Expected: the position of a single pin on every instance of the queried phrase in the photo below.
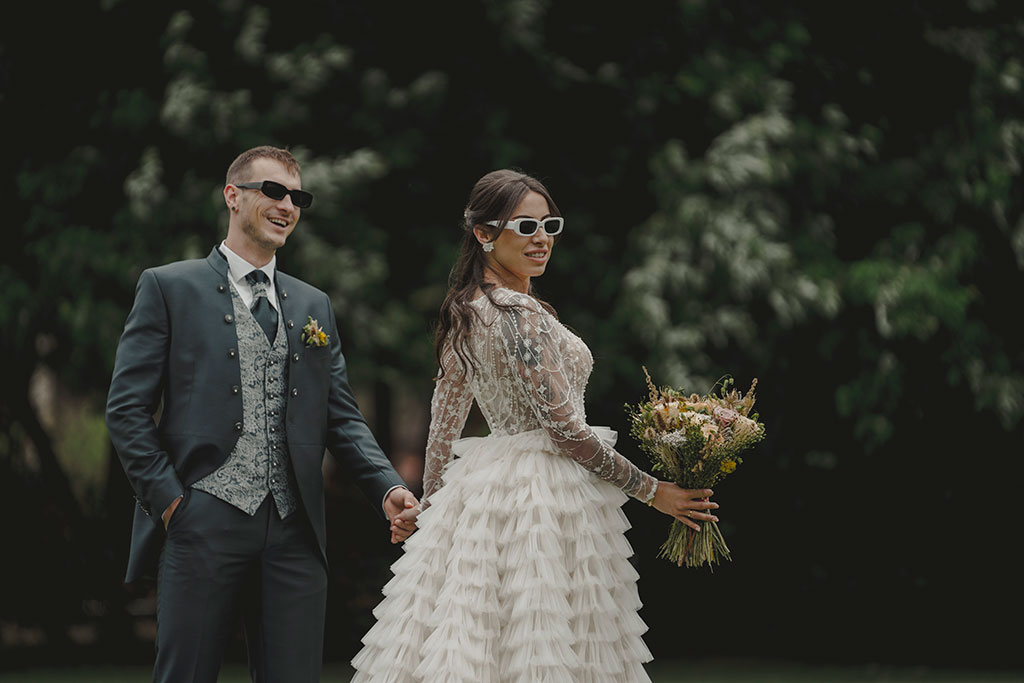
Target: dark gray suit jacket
(179, 348)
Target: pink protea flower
(725, 416)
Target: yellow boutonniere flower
(312, 335)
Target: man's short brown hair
(239, 168)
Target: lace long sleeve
(536, 355)
(449, 409)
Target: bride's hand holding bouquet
(686, 505)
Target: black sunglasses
(300, 198)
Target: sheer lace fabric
(530, 373)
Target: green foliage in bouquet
(696, 441)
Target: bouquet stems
(694, 548)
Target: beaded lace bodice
(529, 373)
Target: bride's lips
(538, 256)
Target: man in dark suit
(246, 362)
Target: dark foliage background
(824, 196)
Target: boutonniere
(312, 335)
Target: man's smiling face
(266, 222)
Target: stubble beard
(258, 237)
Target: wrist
(654, 491)
(387, 498)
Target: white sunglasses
(526, 227)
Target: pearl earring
(488, 246)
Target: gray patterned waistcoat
(259, 462)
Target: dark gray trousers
(218, 563)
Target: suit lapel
(292, 328)
(219, 263)
(221, 288)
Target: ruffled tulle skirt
(518, 573)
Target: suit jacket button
(291, 324)
(295, 392)
(295, 358)
(284, 295)
(235, 389)
(221, 288)
(228, 318)
(231, 353)
(238, 426)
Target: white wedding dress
(519, 570)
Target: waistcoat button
(232, 353)
(295, 358)
(235, 389)
(295, 392)
(238, 426)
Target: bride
(519, 570)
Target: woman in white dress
(519, 570)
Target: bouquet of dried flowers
(696, 441)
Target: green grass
(666, 672)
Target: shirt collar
(238, 267)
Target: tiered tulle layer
(518, 574)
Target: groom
(228, 479)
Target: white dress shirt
(238, 268)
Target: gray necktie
(261, 309)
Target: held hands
(686, 505)
(402, 509)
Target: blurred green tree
(827, 198)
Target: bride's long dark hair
(494, 198)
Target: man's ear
(231, 197)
